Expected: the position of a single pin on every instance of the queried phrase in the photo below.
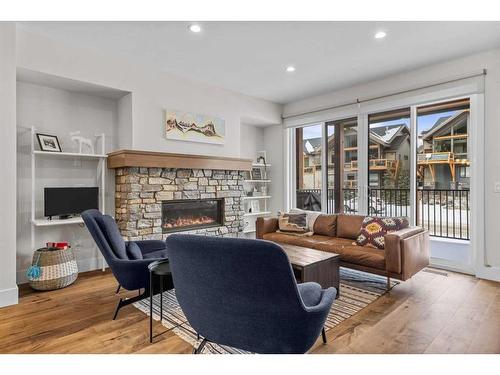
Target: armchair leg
(127, 301)
(323, 335)
(388, 286)
(200, 347)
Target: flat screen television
(67, 201)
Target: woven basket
(59, 269)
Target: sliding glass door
(443, 169)
(389, 163)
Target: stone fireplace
(160, 193)
(188, 214)
(152, 202)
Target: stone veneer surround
(140, 192)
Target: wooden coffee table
(314, 265)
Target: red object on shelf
(58, 245)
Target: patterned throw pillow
(373, 230)
(296, 223)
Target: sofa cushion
(296, 223)
(325, 225)
(133, 250)
(374, 229)
(361, 255)
(310, 241)
(113, 235)
(311, 216)
(349, 226)
(334, 245)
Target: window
(343, 165)
(308, 166)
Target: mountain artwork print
(185, 126)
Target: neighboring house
(443, 161)
(389, 157)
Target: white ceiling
(251, 57)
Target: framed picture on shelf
(255, 206)
(246, 175)
(48, 143)
(256, 174)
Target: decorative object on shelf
(262, 157)
(82, 142)
(58, 245)
(246, 175)
(256, 174)
(255, 206)
(184, 126)
(52, 269)
(48, 142)
(263, 190)
(261, 160)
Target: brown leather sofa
(406, 251)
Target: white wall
(125, 121)
(251, 141)
(152, 93)
(8, 287)
(59, 112)
(273, 144)
(489, 60)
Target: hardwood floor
(432, 313)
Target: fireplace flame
(188, 221)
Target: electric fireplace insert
(188, 214)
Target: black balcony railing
(389, 202)
(445, 213)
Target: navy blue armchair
(128, 261)
(242, 293)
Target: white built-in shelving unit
(259, 190)
(100, 178)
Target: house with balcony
(443, 161)
(388, 157)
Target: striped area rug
(357, 290)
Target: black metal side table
(160, 269)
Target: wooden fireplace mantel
(150, 159)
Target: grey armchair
(242, 293)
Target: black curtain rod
(359, 101)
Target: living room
(333, 205)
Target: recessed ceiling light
(290, 69)
(380, 35)
(194, 28)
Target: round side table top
(160, 267)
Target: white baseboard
(482, 272)
(8, 296)
(488, 273)
(84, 265)
(451, 266)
